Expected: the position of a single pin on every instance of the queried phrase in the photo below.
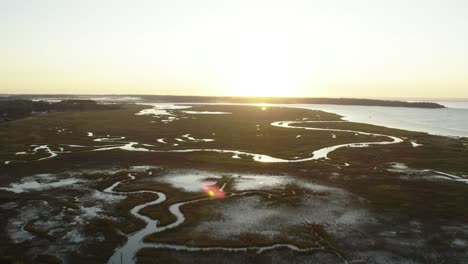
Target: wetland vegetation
(167, 183)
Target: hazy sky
(347, 48)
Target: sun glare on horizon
(262, 78)
(263, 48)
(262, 62)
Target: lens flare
(213, 191)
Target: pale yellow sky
(360, 48)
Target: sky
(293, 48)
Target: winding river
(127, 253)
(322, 153)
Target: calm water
(450, 121)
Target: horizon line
(238, 96)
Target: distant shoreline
(232, 99)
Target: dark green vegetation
(394, 200)
(15, 109)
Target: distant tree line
(226, 99)
(280, 100)
(19, 108)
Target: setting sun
(262, 66)
(235, 48)
(234, 131)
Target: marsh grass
(247, 128)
